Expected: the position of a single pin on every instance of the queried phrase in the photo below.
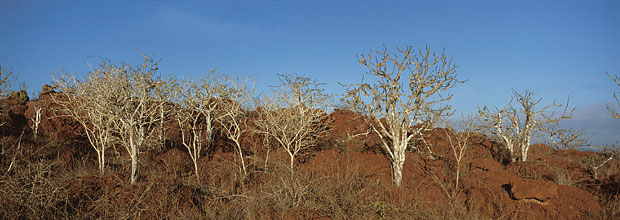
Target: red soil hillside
(346, 176)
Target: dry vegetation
(203, 153)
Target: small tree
(89, 101)
(234, 117)
(164, 95)
(611, 150)
(516, 127)
(570, 138)
(459, 143)
(36, 121)
(295, 117)
(198, 111)
(403, 103)
(135, 106)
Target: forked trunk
(101, 160)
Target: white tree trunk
(134, 160)
(397, 172)
(398, 162)
(267, 159)
(292, 157)
(241, 157)
(196, 170)
(37, 121)
(101, 160)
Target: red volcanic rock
(533, 189)
(352, 132)
(52, 121)
(573, 154)
(573, 203)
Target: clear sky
(554, 48)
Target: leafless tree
(614, 149)
(459, 143)
(36, 121)
(135, 106)
(199, 110)
(515, 127)
(295, 116)
(89, 102)
(164, 95)
(234, 117)
(616, 80)
(563, 138)
(409, 91)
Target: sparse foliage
(295, 117)
(402, 103)
(515, 127)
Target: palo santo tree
(570, 138)
(135, 107)
(198, 110)
(295, 117)
(88, 101)
(234, 118)
(459, 143)
(515, 127)
(408, 91)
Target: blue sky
(554, 48)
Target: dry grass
(43, 185)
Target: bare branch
(395, 105)
(516, 127)
(616, 80)
(295, 116)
